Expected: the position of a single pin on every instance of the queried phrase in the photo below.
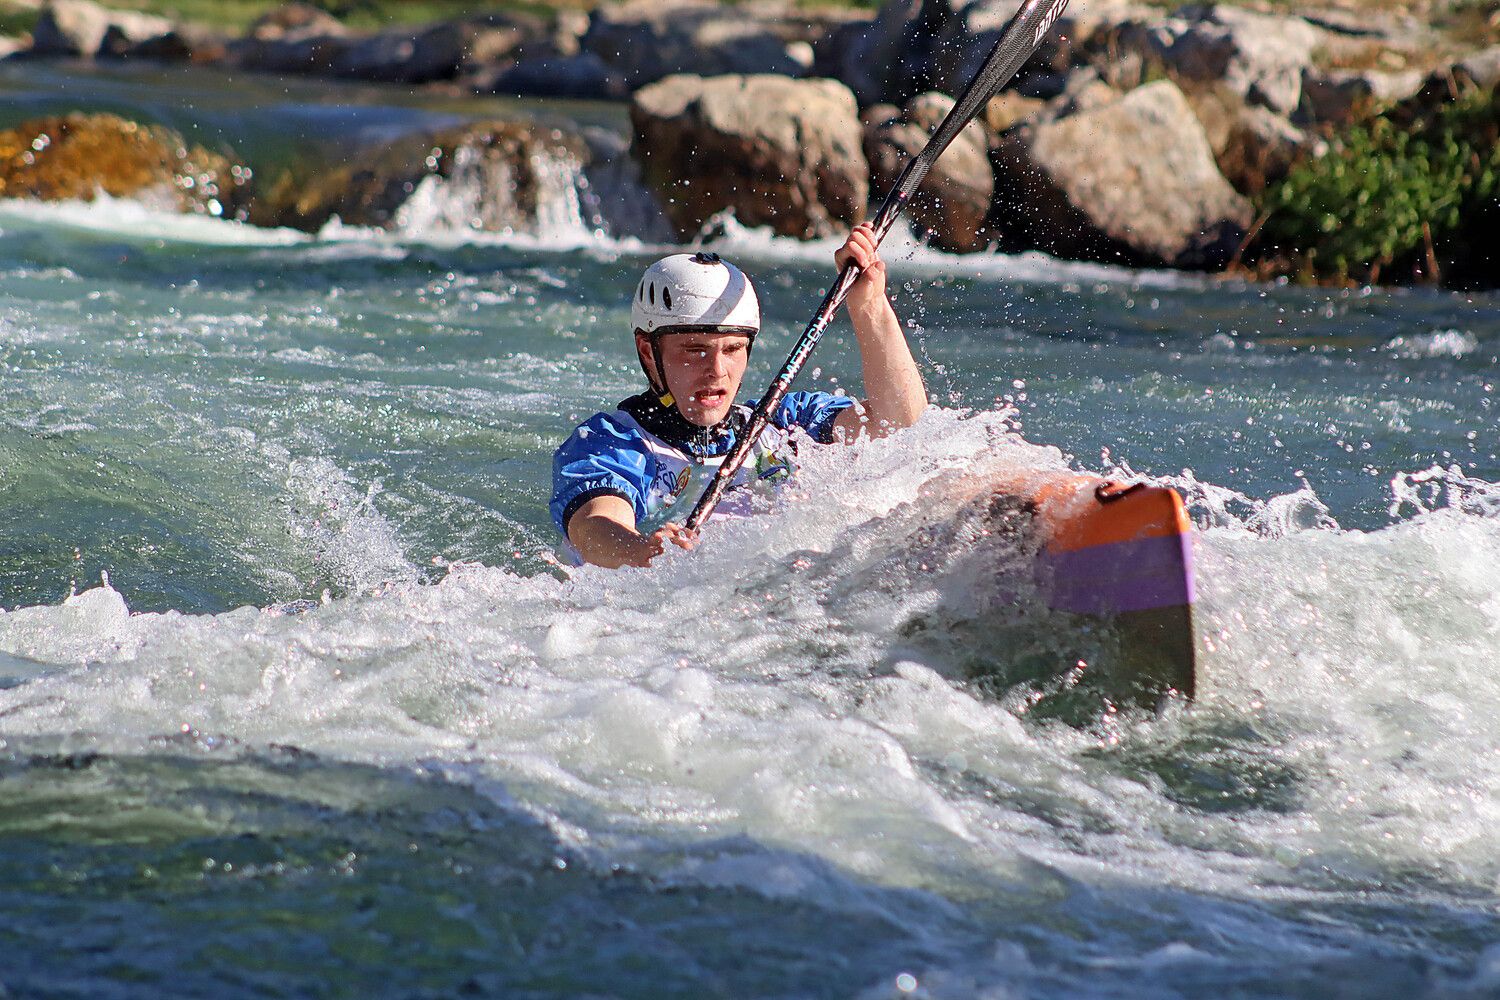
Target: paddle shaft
(1017, 42)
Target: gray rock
(777, 152)
(887, 57)
(583, 76)
(79, 28)
(1253, 146)
(966, 38)
(440, 51)
(1481, 70)
(645, 42)
(1133, 181)
(293, 38)
(184, 43)
(1341, 97)
(1260, 56)
(955, 197)
(496, 176)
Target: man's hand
(860, 248)
(603, 532)
(676, 534)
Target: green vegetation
(17, 20)
(1406, 197)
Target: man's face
(703, 370)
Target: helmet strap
(656, 379)
(659, 382)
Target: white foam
(131, 218)
(765, 684)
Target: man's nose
(718, 361)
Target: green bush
(1395, 195)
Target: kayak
(1120, 556)
(1113, 564)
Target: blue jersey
(649, 456)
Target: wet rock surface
(782, 153)
(78, 157)
(496, 176)
(1151, 195)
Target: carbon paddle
(1018, 41)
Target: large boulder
(293, 38)
(77, 157)
(497, 176)
(1260, 56)
(1133, 182)
(79, 28)
(955, 197)
(647, 40)
(778, 152)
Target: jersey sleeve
(814, 412)
(600, 458)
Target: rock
(183, 43)
(1260, 56)
(1084, 90)
(1133, 181)
(886, 58)
(296, 20)
(617, 193)
(966, 38)
(77, 156)
(1253, 146)
(1480, 70)
(79, 28)
(644, 42)
(912, 46)
(955, 197)
(438, 52)
(499, 176)
(778, 152)
(583, 76)
(1339, 98)
(1008, 109)
(294, 38)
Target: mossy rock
(76, 157)
(500, 174)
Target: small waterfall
(548, 193)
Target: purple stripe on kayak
(1121, 576)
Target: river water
(295, 699)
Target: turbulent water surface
(295, 699)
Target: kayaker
(695, 318)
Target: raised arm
(894, 394)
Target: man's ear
(644, 352)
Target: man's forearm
(608, 543)
(894, 394)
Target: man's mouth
(709, 397)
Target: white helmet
(695, 293)
(692, 293)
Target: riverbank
(1210, 137)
